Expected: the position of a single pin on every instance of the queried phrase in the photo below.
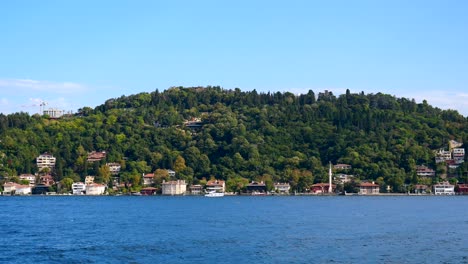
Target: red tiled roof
(215, 183)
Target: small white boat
(214, 194)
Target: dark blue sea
(58, 229)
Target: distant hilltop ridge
(240, 137)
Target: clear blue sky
(80, 53)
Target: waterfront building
(178, 187)
(148, 179)
(23, 189)
(196, 189)
(256, 188)
(282, 188)
(322, 188)
(148, 191)
(420, 189)
(369, 188)
(45, 160)
(216, 186)
(444, 188)
(462, 188)
(28, 177)
(9, 188)
(78, 188)
(95, 189)
(40, 189)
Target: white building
(45, 160)
(9, 188)
(458, 155)
(444, 188)
(114, 168)
(282, 187)
(54, 112)
(15, 188)
(23, 189)
(28, 177)
(369, 188)
(174, 187)
(78, 188)
(95, 189)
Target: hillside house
(442, 156)
(28, 177)
(424, 171)
(94, 156)
(148, 179)
(46, 180)
(114, 168)
(45, 160)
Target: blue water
(121, 229)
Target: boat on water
(214, 194)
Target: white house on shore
(444, 188)
(369, 188)
(78, 188)
(95, 189)
(10, 188)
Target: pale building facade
(178, 187)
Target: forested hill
(280, 137)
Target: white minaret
(330, 189)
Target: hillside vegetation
(274, 137)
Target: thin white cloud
(26, 85)
(25, 95)
(453, 100)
